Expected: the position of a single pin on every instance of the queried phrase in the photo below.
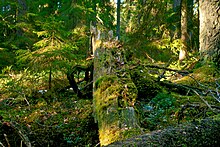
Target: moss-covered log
(205, 132)
(114, 94)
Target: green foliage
(7, 58)
(157, 114)
(163, 101)
(20, 86)
(52, 51)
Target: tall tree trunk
(175, 34)
(184, 34)
(21, 11)
(114, 94)
(92, 25)
(118, 19)
(190, 25)
(210, 30)
(22, 7)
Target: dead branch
(2, 144)
(194, 106)
(214, 93)
(198, 91)
(76, 71)
(181, 87)
(164, 71)
(182, 72)
(204, 101)
(197, 105)
(151, 59)
(21, 133)
(6, 138)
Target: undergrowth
(48, 118)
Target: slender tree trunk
(50, 79)
(190, 25)
(22, 7)
(175, 34)
(141, 6)
(118, 19)
(209, 38)
(184, 34)
(93, 30)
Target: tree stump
(114, 94)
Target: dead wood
(197, 133)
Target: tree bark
(184, 34)
(209, 30)
(114, 94)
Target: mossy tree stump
(114, 94)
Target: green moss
(112, 93)
(105, 81)
(206, 70)
(105, 96)
(130, 133)
(206, 74)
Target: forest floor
(169, 94)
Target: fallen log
(204, 132)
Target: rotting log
(114, 94)
(205, 132)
